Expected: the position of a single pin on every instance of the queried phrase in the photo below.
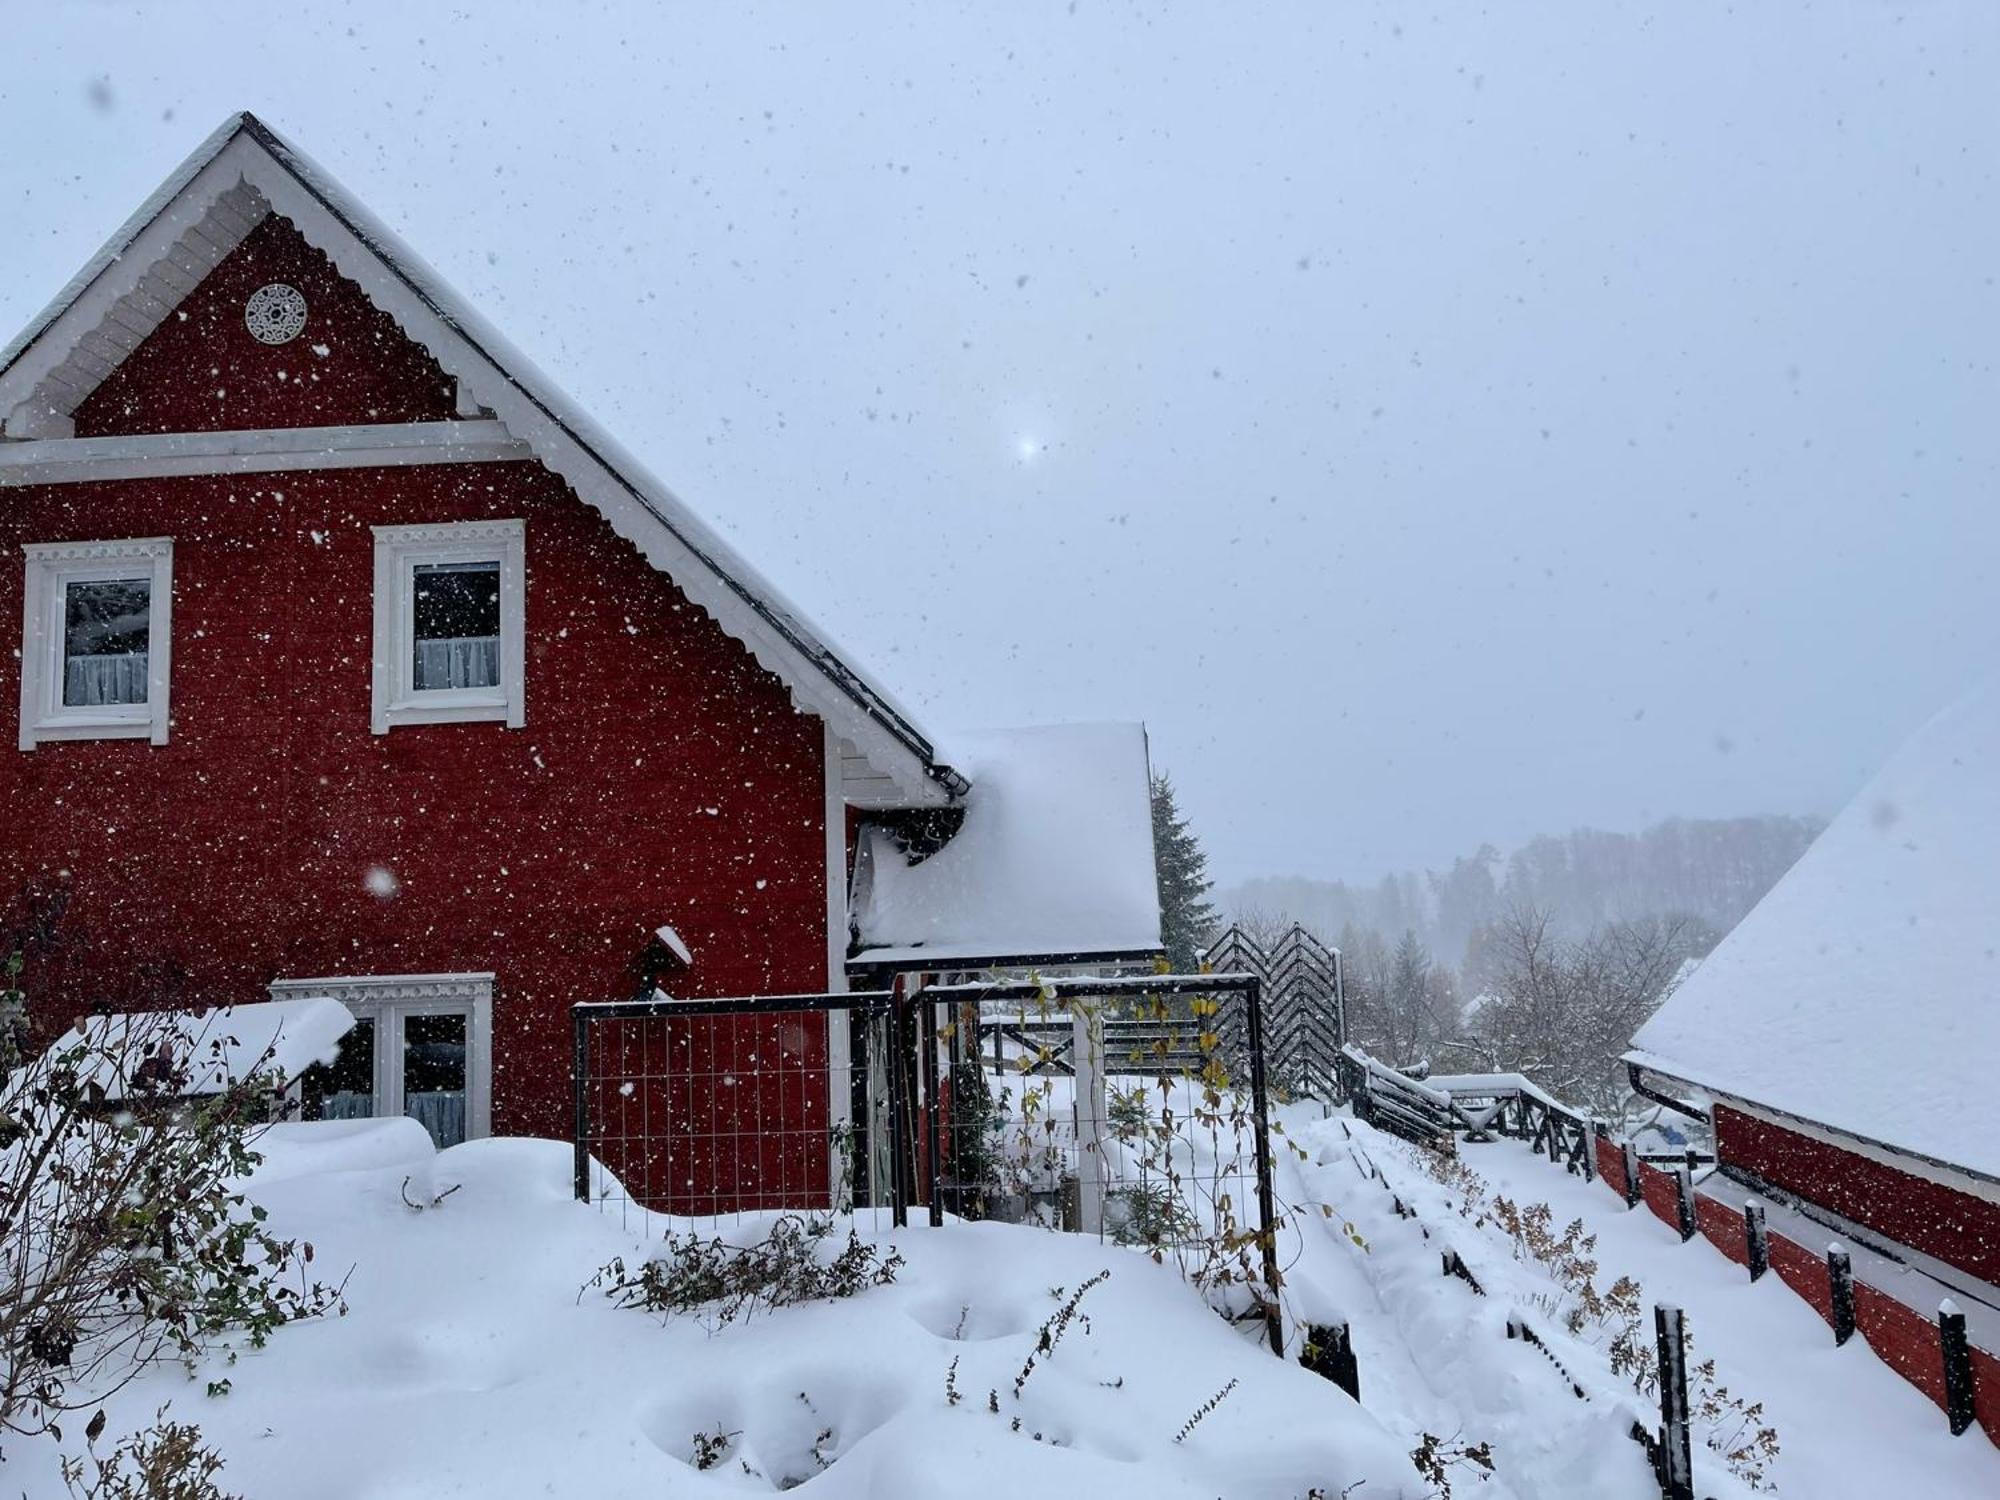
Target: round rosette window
(275, 314)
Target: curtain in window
(442, 1114)
(120, 677)
(458, 662)
(347, 1106)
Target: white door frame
(386, 999)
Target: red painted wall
(1662, 1195)
(1804, 1272)
(1956, 1227)
(201, 371)
(1722, 1227)
(1907, 1341)
(662, 775)
(1611, 1165)
(1986, 1392)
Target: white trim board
(258, 451)
(49, 569)
(493, 377)
(399, 550)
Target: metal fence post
(1756, 1245)
(1676, 1457)
(899, 1112)
(579, 1067)
(1958, 1392)
(1086, 1019)
(1840, 1279)
(927, 1039)
(1632, 1193)
(1267, 1210)
(1684, 1204)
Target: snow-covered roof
(1054, 859)
(1863, 992)
(246, 168)
(218, 1047)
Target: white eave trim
(260, 451)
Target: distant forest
(1713, 870)
(1541, 962)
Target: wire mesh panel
(717, 1109)
(1130, 1109)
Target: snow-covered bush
(726, 1282)
(124, 1236)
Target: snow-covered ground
(473, 1363)
(1432, 1351)
(476, 1361)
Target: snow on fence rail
(1477, 1105)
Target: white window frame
(388, 1000)
(51, 568)
(399, 551)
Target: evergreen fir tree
(1187, 917)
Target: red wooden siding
(1956, 1227)
(1722, 1227)
(1907, 1341)
(1986, 1391)
(1804, 1272)
(1611, 1165)
(662, 775)
(1662, 1195)
(202, 371)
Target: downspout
(1634, 1073)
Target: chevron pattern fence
(1305, 1020)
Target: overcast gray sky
(1439, 428)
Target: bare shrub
(167, 1461)
(125, 1238)
(1436, 1458)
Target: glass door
(434, 1071)
(345, 1088)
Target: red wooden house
(355, 660)
(1845, 1036)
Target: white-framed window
(96, 639)
(449, 612)
(422, 1046)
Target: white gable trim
(258, 451)
(245, 153)
(35, 397)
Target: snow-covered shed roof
(1863, 992)
(1054, 859)
(244, 171)
(218, 1047)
